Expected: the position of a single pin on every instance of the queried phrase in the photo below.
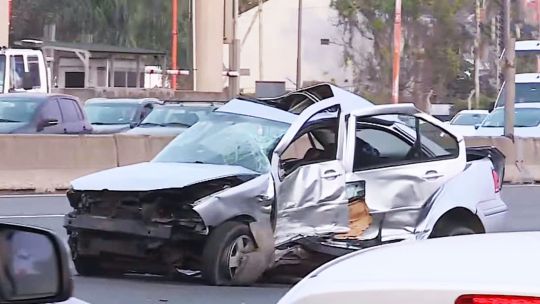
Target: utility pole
(477, 55)
(509, 73)
(174, 41)
(538, 21)
(261, 41)
(234, 54)
(397, 53)
(299, 48)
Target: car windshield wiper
(176, 124)
(8, 120)
(151, 124)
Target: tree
(434, 42)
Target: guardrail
(47, 163)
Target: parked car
(109, 116)
(497, 268)
(40, 113)
(306, 177)
(174, 118)
(526, 121)
(466, 121)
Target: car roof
(36, 95)
(122, 100)
(275, 108)
(498, 258)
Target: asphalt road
(47, 211)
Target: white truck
(24, 69)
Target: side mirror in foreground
(34, 266)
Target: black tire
(87, 266)
(449, 228)
(219, 251)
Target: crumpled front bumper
(119, 226)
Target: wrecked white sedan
(263, 184)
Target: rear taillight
(486, 299)
(496, 181)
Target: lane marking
(31, 195)
(74, 301)
(6, 217)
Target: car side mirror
(46, 123)
(476, 126)
(491, 106)
(27, 81)
(34, 266)
(133, 125)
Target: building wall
(320, 62)
(4, 23)
(98, 70)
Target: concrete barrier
(46, 163)
(157, 143)
(529, 148)
(131, 149)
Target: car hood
(156, 176)
(164, 131)
(109, 129)
(9, 127)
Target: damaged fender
(252, 202)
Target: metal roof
(100, 48)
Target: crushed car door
(310, 177)
(402, 161)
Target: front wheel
(87, 266)
(224, 254)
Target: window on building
(74, 79)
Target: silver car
(292, 181)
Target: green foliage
(443, 40)
(133, 23)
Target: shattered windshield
(2, 72)
(227, 139)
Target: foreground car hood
(155, 176)
(109, 129)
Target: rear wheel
(450, 228)
(224, 253)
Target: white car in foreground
(493, 268)
(526, 121)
